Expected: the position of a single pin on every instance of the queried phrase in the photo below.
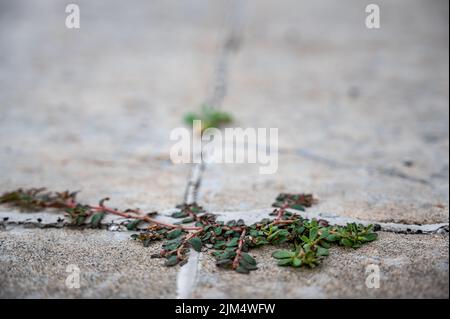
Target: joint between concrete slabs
(113, 223)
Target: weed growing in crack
(197, 229)
(209, 118)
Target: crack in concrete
(253, 216)
(392, 172)
(193, 184)
(230, 43)
(187, 275)
(386, 171)
(113, 223)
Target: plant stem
(281, 212)
(239, 250)
(147, 219)
(180, 249)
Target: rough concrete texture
(362, 118)
(362, 115)
(92, 109)
(34, 265)
(402, 259)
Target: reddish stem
(193, 215)
(281, 212)
(180, 249)
(239, 250)
(147, 219)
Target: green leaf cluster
(295, 201)
(309, 241)
(210, 117)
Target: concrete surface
(352, 106)
(402, 259)
(34, 264)
(362, 117)
(34, 261)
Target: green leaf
(281, 254)
(279, 236)
(209, 118)
(313, 233)
(245, 264)
(277, 204)
(171, 261)
(346, 242)
(324, 234)
(219, 245)
(96, 219)
(179, 215)
(233, 242)
(231, 223)
(322, 251)
(190, 117)
(224, 255)
(171, 247)
(306, 247)
(297, 207)
(195, 209)
(206, 237)
(332, 237)
(371, 237)
(324, 244)
(285, 262)
(224, 262)
(80, 220)
(296, 262)
(174, 233)
(133, 224)
(188, 220)
(229, 232)
(196, 243)
(249, 259)
(242, 270)
(218, 231)
(305, 239)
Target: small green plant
(209, 117)
(312, 242)
(198, 229)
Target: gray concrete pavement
(34, 263)
(362, 117)
(352, 106)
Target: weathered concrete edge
(343, 220)
(113, 223)
(59, 220)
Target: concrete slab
(351, 192)
(92, 109)
(411, 266)
(112, 265)
(362, 117)
(362, 114)
(33, 264)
